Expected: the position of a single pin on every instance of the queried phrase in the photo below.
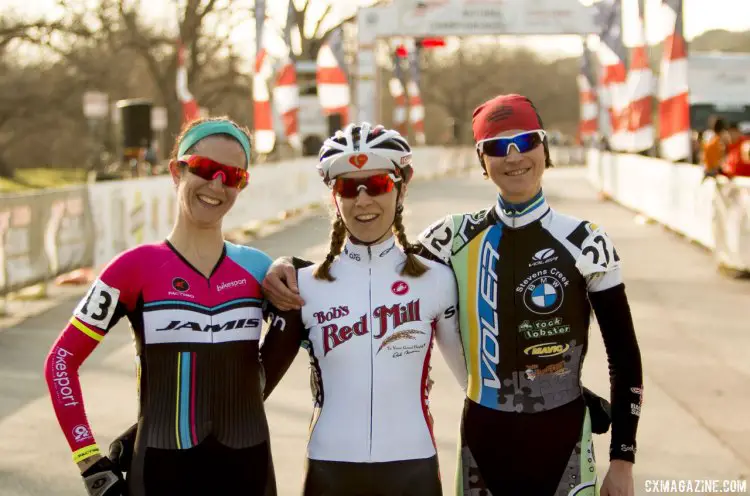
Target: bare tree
(213, 68)
(311, 43)
(454, 84)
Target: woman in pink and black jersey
(194, 305)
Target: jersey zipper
(372, 361)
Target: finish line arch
(423, 18)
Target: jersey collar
(521, 214)
(383, 252)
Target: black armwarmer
(281, 344)
(625, 370)
(420, 250)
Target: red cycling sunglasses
(379, 184)
(205, 168)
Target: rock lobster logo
(358, 161)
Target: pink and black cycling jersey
(196, 341)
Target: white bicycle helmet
(364, 147)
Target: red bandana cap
(502, 113)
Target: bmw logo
(543, 295)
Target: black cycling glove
(121, 449)
(600, 411)
(104, 479)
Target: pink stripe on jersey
(192, 399)
(425, 378)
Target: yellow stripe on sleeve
(474, 331)
(84, 329)
(87, 452)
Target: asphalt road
(692, 326)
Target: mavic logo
(542, 257)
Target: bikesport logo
(180, 284)
(81, 433)
(61, 378)
(542, 257)
(233, 284)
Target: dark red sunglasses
(205, 168)
(349, 187)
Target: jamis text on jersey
(229, 325)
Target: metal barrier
(43, 235)
(712, 212)
(567, 155)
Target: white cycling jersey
(370, 335)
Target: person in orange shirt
(737, 162)
(714, 149)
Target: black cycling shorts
(518, 454)
(399, 478)
(208, 468)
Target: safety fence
(52, 232)
(714, 212)
(567, 155)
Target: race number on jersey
(598, 254)
(438, 238)
(98, 306)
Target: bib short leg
(208, 468)
(419, 477)
(517, 454)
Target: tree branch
(321, 19)
(140, 44)
(209, 7)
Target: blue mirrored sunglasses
(500, 146)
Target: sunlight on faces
(518, 176)
(204, 203)
(368, 218)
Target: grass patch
(41, 177)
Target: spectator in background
(714, 149)
(151, 159)
(696, 140)
(737, 161)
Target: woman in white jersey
(372, 310)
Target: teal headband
(210, 128)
